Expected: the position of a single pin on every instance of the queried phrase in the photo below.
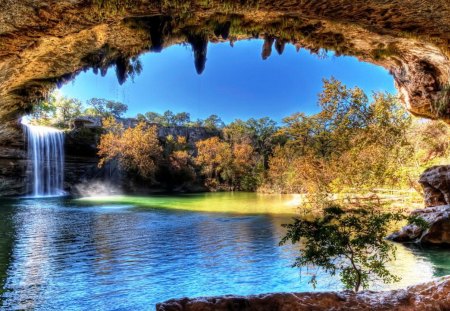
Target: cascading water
(46, 158)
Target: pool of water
(130, 253)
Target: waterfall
(46, 160)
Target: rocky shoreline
(435, 182)
(433, 295)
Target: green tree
(67, 109)
(263, 131)
(57, 111)
(349, 242)
(105, 108)
(181, 119)
(153, 117)
(45, 110)
(213, 122)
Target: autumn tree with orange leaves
(136, 149)
(224, 165)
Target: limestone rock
(438, 232)
(436, 185)
(45, 43)
(434, 295)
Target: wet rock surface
(434, 295)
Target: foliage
(351, 143)
(179, 160)
(104, 108)
(56, 111)
(213, 122)
(257, 132)
(60, 111)
(226, 165)
(214, 157)
(349, 242)
(136, 149)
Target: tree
(213, 122)
(56, 111)
(136, 149)
(349, 242)
(45, 111)
(105, 108)
(352, 143)
(214, 157)
(237, 132)
(263, 131)
(181, 119)
(153, 117)
(243, 176)
(168, 118)
(67, 109)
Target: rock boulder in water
(436, 185)
(438, 232)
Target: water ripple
(58, 256)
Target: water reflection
(55, 254)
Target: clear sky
(236, 83)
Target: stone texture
(434, 295)
(435, 182)
(436, 186)
(438, 232)
(46, 43)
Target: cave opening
(183, 156)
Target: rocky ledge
(437, 233)
(435, 182)
(434, 295)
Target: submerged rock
(434, 295)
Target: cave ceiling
(44, 44)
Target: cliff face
(81, 161)
(435, 182)
(46, 43)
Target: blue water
(57, 254)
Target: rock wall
(13, 166)
(436, 186)
(431, 296)
(435, 182)
(81, 161)
(46, 43)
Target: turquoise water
(128, 253)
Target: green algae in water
(221, 202)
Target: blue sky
(236, 83)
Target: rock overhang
(44, 44)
